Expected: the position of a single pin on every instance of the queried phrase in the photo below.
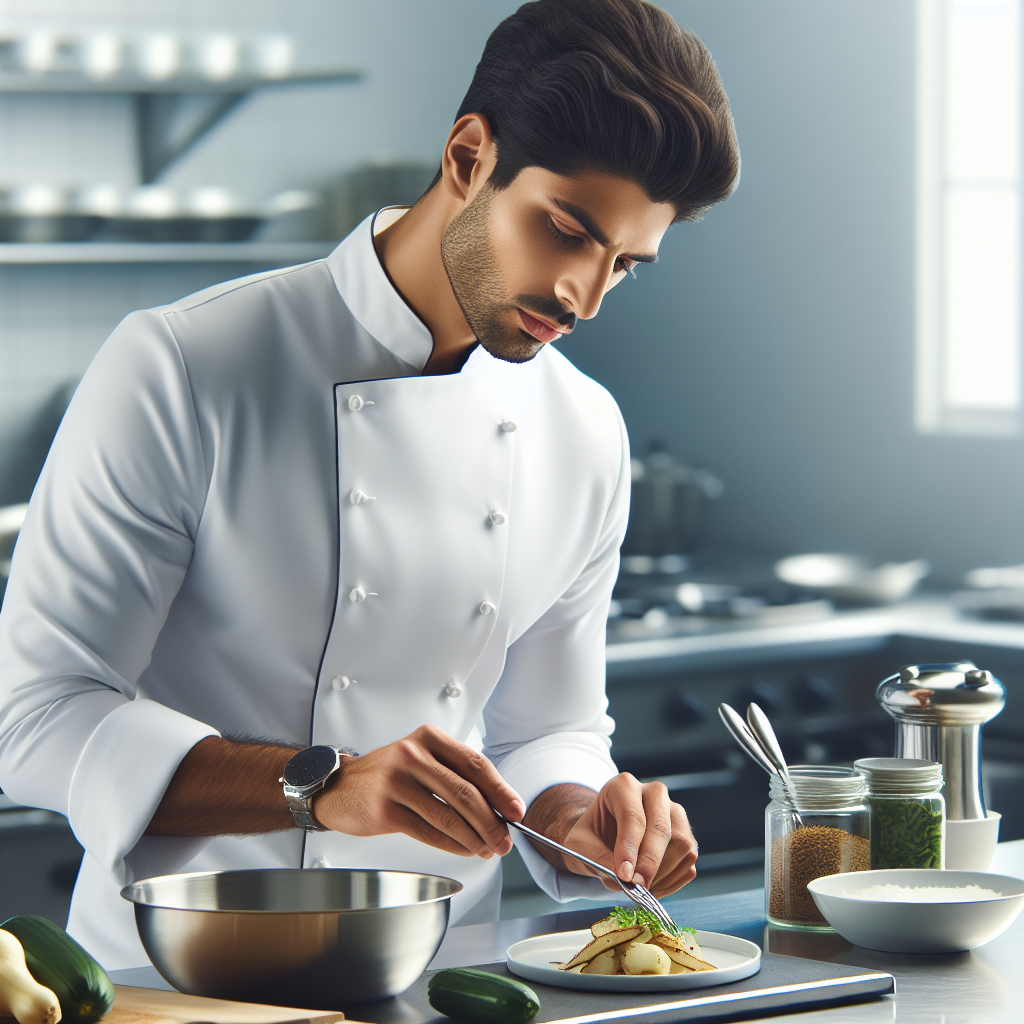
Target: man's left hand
(631, 827)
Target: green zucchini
(56, 961)
(478, 997)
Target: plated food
(632, 941)
(628, 951)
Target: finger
(471, 765)
(624, 798)
(682, 847)
(469, 804)
(411, 824)
(421, 767)
(441, 816)
(679, 863)
(657, 833)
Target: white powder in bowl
(925, 893)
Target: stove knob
(814, 694)
(764, 695)
(684, 710)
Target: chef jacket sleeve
(104, 548)
(546, 723)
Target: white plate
(531, 959)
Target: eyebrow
(595, 232)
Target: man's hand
(427, 786)
(633, 828)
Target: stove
(679, 594)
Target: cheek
(524, 253)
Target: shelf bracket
(170, 123)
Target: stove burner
(657, 603)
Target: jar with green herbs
(908, 814)
(821, 828)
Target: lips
(537, 328)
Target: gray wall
(774, 341)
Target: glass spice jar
(908, 813)
(830, 835)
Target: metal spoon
(765, 734)
(750, 743)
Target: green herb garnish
(626, 917)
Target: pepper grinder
(939, 711)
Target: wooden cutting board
(154, 1006)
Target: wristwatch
(305, 775)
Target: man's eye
(563, 236)
(623, 264)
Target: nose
(583, 293)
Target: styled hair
(613, 86)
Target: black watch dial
(309, 766)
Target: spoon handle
(762, 730)
(743, 736)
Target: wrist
(555, 813)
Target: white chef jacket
(259, 518)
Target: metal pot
(668, 505)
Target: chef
(318, 568)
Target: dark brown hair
(613, 86)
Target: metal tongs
(639, 894)
(757, 738)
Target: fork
(639, 894)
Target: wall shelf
(171, 114)
(64, 253)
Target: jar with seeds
(829, 834)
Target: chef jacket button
(486, 608)
(341, 683)
(453, 689)
(357, 595)
(508, 427)
(320, 862)
(359, 498)
(356, 402)
(496, 518)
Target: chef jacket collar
(376, 304)
(373, 299)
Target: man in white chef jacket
(362, 503)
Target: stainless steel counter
(924, 618)
(985, 986)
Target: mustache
(551, 308)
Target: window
(969, 217)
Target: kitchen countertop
(698, 640)
(984, 986)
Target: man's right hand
(396, 789)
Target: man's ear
(469, 157)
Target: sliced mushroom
(606, 924)
(608, 962)
(646, 958)
(603, 942)
(681, 956)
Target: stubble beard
(472, 267)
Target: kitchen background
(773, 346)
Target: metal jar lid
(898, 776)
(953, 694)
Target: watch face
(309, 766)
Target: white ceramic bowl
(917, 927)
(970, 845)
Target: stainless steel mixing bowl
(320, 939)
